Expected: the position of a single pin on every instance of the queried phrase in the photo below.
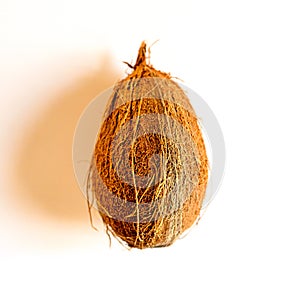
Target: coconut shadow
(43, 174)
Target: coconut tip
(142, 66)
(141, 58)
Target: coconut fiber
(149, 168)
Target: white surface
(242, 57)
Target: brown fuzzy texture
(168, 158)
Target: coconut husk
(149, 169)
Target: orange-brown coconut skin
(164, 230)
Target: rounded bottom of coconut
(159, 233)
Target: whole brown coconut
(149, 169)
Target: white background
(242, 57)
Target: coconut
(149, 169)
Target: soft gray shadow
(44, 175)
